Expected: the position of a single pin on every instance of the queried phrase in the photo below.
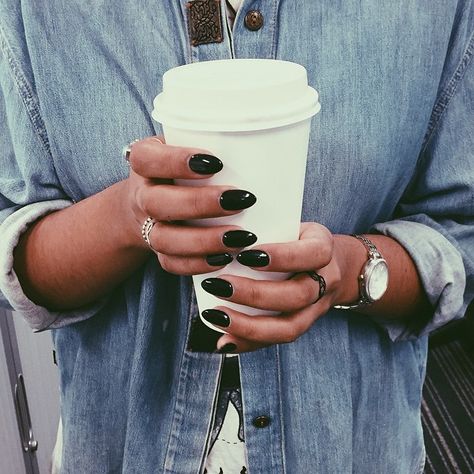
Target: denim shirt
(391, 151)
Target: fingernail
(238, 238)
(219, 259)
(217, 287)
(214, 316)
(229, 347)
(237, 199)
(253, 258)
(205, 164)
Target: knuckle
(295, 327)
(182, 266)
(326, 252)
(195, 203)
(137, 163)
(203, 241)
(328, 245)
(158, 238)
(146, 200)
(165, 263)
(248, 331)
(303, 296)
(254, 294)
(289, 254)
(323, 250)
(291, 334)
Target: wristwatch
(373, 279)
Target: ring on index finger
(127, 149)
(322, 284)
(146, 230)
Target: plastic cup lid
(235, 95)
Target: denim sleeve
(435, 219)
(29, 185)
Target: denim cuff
(441, 270)
(37, 317)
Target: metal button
(253, 20)
(261, 421)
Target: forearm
(74, 256)
(404, 296)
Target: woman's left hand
(297, 299)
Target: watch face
(377, 280)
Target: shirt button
(253, 20)
(261, 421)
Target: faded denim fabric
(391, 150)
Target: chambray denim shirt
(391, 151)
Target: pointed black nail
(253, 258)
(238, 238)
(214, 316)
(219, 259)
(205, 164)
(217, 287)
(229, 347)
(237, 199)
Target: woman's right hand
(183, 249)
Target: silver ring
(127, 149)
(146, 230)
(322, 284)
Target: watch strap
(369, 245)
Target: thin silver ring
(127, 149)
(146, 230)
(158, 140)
(322, 284)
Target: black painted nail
(205, 164)
(214, 316)
(217, 287)
(238, 238)
(237, 199)
(219, 259)
(229, 347)
(253, 258)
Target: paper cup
(253, 114)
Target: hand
(183, 250)
(296, 298)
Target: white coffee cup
(254, 115)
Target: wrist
(350, 256)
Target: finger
(175, 239)
(167, 202)
(152, 159)
(313, 250)
(262, 330)
(193, 265)
(283, 296)
(232, 345)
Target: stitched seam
(448, 93)
(26, 93)
(280, 406)
(274, 29)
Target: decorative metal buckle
(205, 22)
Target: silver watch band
(369, 245)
